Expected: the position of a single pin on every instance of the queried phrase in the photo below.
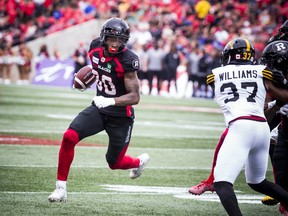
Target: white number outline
(106, 83)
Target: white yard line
(176, 192)
(104, 167)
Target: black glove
(279, 79)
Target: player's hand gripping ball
(84, 78)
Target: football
(84, 78)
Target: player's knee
(260, 186)
(113, 166)
(255, 187)
(223, 189)
(112, 163)
(70, 137)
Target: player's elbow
(136, 99)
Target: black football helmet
(238, 51)
(275, 56)
(115, 27)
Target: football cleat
(136, 172)
(267, 200)
(59, 194)
(201, 188)
(283, 210)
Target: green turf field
(179, 134)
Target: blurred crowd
(174, 38)
(25, 20)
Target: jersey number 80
(106, 83)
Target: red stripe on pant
(220, 142)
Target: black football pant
(91, 121)
(280, 159)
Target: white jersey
(240, 90)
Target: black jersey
(110, 75)
(284, 120)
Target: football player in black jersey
(111, 110)
(275, 56)
(275, 116)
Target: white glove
(102, 102)
(271, 104)
(274, 134)
(284, 110)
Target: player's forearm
(128, 99)
(277, 92)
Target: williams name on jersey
(240, 74)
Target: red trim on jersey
(119, 69)
(93, 50)
(253, 118)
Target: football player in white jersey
(240, 89)
(273, 116)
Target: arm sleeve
(210, 79)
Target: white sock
(61, 183)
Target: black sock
(272, 190)
(228, 198)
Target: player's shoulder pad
(276, 76)
(95, 43)
(267, 74)
(130, 60)
(210, 79)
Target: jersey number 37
(234, 92)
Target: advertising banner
(54, 73)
